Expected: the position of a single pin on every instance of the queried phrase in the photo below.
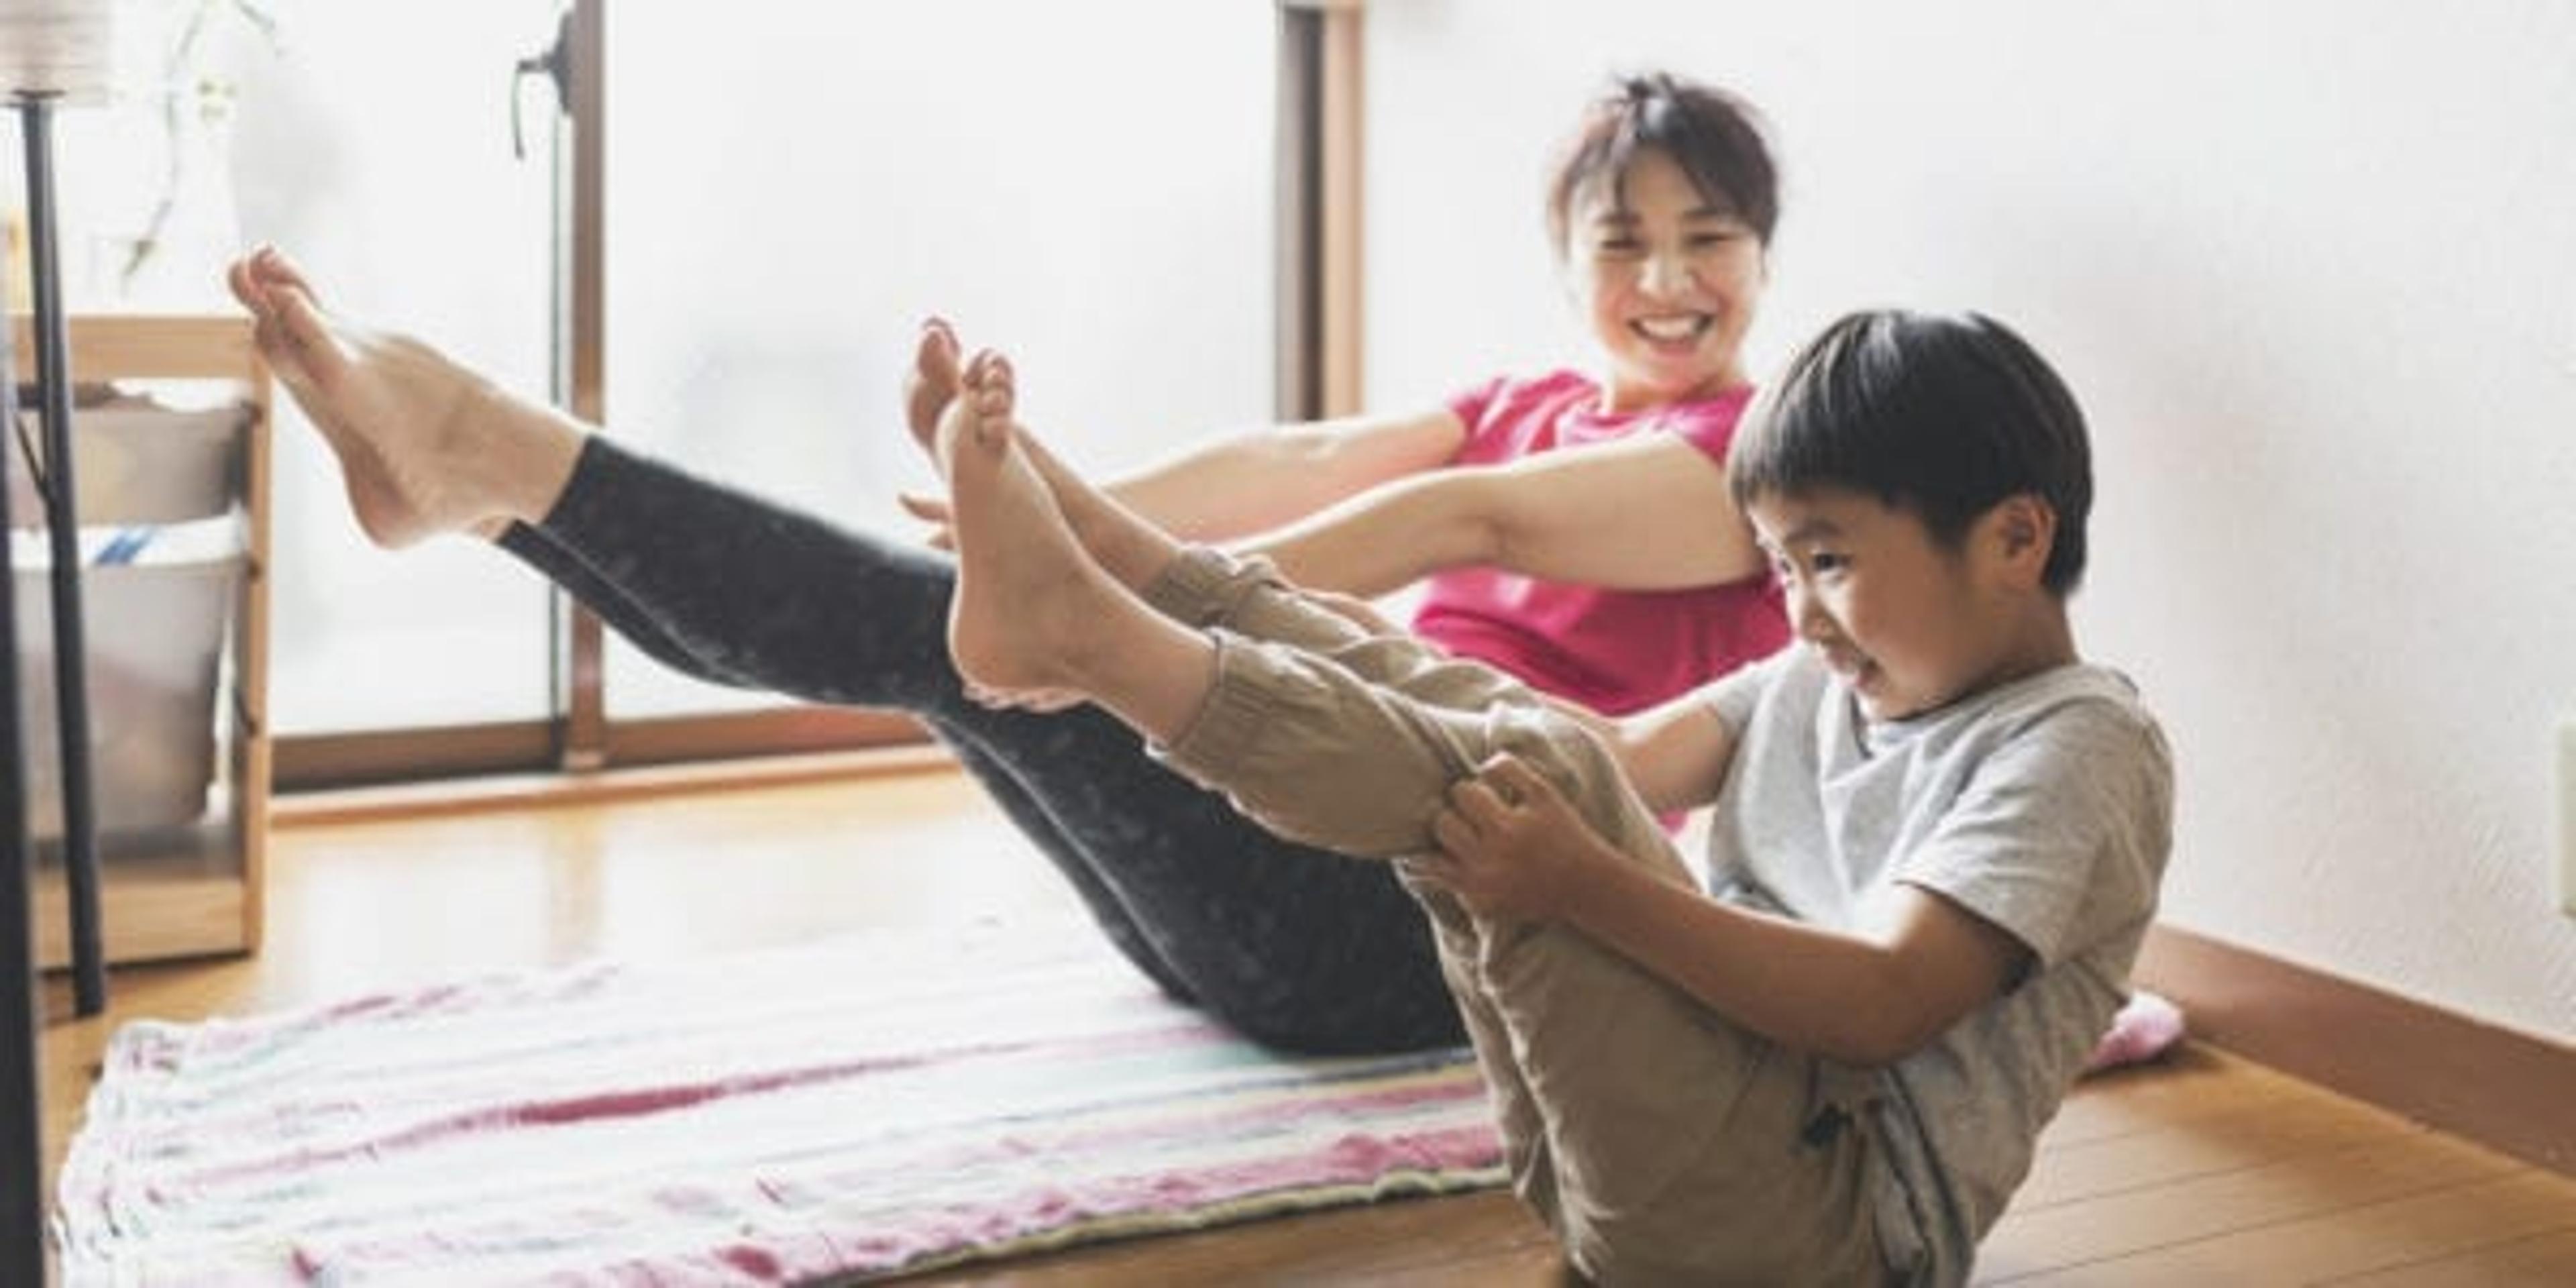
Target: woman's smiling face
(1666, 279)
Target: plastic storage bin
(141, 464)
(156, 635)
(156, 629)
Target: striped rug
(823, 1114)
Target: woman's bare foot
(425, 446)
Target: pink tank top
(1615, 651)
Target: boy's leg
(1285, 694)
(1684, 1149)
(1298, 739)
(1659, 1141)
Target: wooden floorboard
(2191, 1084)
(2154, 1216)
(2416, 1230)
(2215, 1145)
(2538, 1259)
(2205, 1169)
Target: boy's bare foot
(1128, 548)
(425, 446)
(1026, 592)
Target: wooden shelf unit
(194, 890)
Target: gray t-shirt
(2044, 806)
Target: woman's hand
(1512, 847)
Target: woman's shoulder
(1520, 393)
(1512, 415)
(1708, 423)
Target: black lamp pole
(53, 50)
(62, 523)
(22, 1158)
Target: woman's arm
(1651, 513)
(1260, 479)
(1514, 848)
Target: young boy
(1825, 1056)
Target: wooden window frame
(1317, 368)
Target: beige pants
(1661, 1143)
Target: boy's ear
(2023, 529)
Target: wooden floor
(2204, 1170)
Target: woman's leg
(1291, 945)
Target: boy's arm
(1651, 513)
(1514, 848)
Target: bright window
(791, 186)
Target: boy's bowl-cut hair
(1942, 415)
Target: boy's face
(1909, 624)
(1666, 281)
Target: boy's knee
(1585, 772)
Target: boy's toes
(987, 396)
(996, 386)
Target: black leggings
(1295, 947)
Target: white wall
(2311, 267)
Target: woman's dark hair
(1940, 415)
(1712, 135)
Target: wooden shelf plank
(187, 900)
(153, 346)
